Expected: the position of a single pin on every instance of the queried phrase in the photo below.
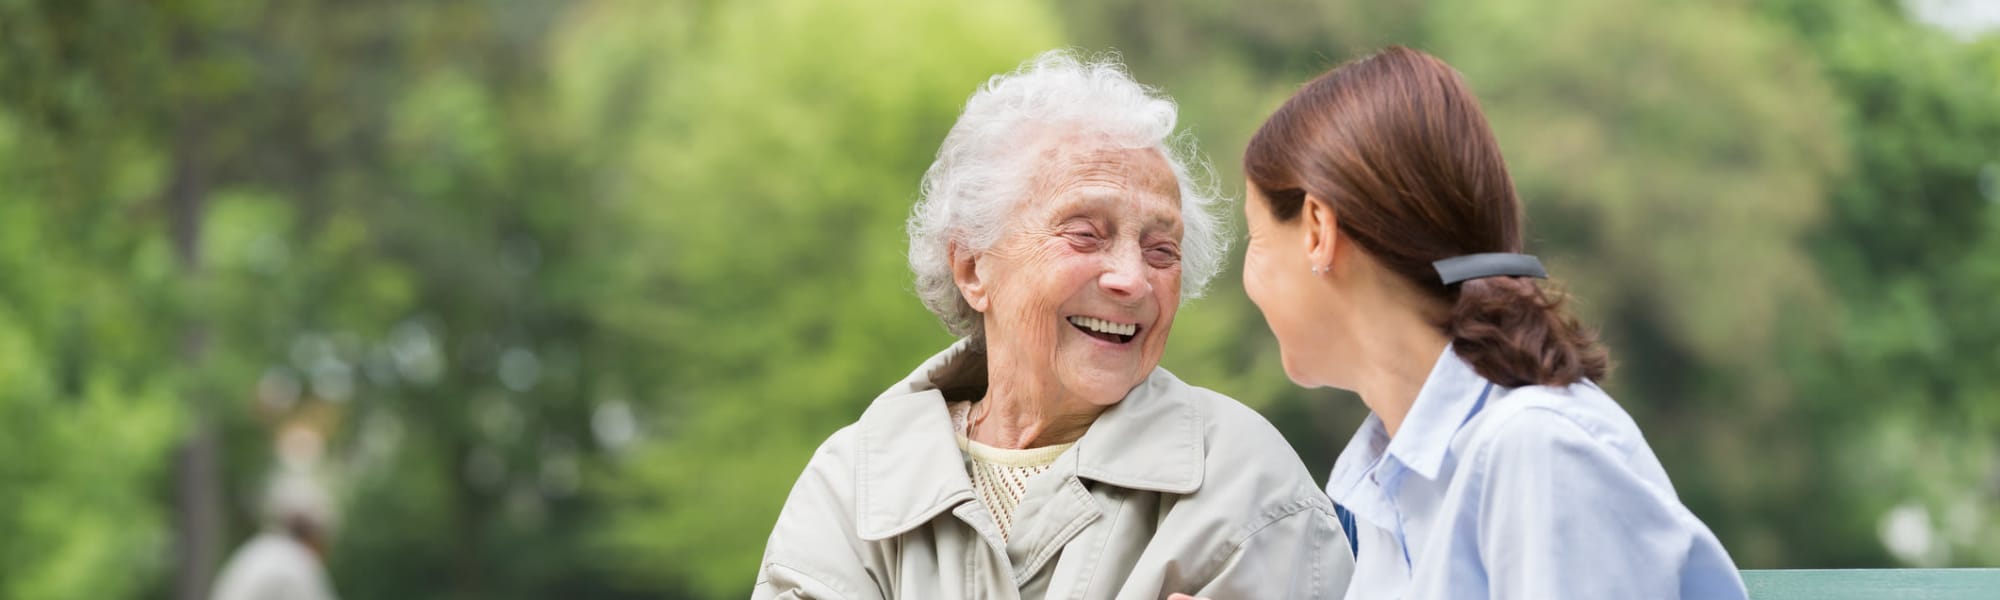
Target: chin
(1112, 396)
(1292, 372)
(1097, 392)
(1110, 399)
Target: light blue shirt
(1532, 492)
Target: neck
(1402, 348)
(1018, 412)
(1391, 378)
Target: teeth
(1103, 326)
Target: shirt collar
(1449, 396)
(1365, 476)
(909, 468)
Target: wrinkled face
(1081, 289)
(1278, 277)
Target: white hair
(983, 169)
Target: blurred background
(556, 299)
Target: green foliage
(1911, 246)
(87, 410)
(87, 403)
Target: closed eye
(1083, 238)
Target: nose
(1125, 275)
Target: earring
(1319, 270)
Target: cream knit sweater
(1000, 475)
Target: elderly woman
(1046, 454)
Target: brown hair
(1396, 144)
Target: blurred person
(286, 561)
(1046, 454)
(1385, 240)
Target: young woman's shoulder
(1577, 428)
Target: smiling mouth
(1116, 333)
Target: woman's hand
(1184, 597)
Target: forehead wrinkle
(1153, 214)
(1104, 174)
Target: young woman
(1385, 241)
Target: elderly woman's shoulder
(1235, 429)
(833, 461)
(1251, 476)
(1240, 444)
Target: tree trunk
(198, 516)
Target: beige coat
(1174, 489)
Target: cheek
(1280, 307)
(1169, 298)
(1038, 279)
(1167, 286)
(1041, 286)
(1253, 276)
(1167, 293)
(1064, 280)
(1261, 282)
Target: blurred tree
(88, 411)
(1908, 394)
(365, 213)
(112, 200)
(428, 227)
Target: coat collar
(909, 467)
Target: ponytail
(1515, 333)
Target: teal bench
(1857, 584)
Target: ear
(965, 272)
(1322, 231)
